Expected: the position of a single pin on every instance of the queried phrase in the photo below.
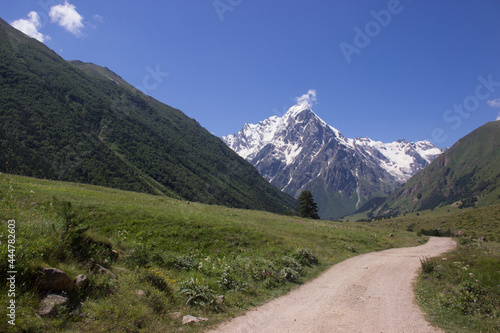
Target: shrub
(428, 265)
(290, 274)
(199, 295)
(438, 232)
(292, 263)
(230, 282)
(305, 257)
(185, 263)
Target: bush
(438, 232)
(186, 263)
(290, 274)
(230, 282)
(428, 265)
(305, 257)
(199, 295)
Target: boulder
(81, 281)
(50, 304)
(53, 279)
(191, 319)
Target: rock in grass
(53, 279)
(191, 319)
(50, 304)
(81, 281)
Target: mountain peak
(297, 109)
(300, 151)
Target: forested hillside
(60, 122)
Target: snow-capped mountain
(299, 151)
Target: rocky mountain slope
(299, 151)
(83, 123)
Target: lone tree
(306, 206)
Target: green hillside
(467, 173)
(161, 252)
(83, 123)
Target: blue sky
(391, 69)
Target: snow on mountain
(401, 159)
(300, 151)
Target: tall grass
(164, 255)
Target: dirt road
(369, 293)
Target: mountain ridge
(466, 174)
(60, 122)
(300, 151)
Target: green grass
(168, 255)
(469, 222)
(459, 291)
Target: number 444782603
(11, 243)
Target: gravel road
(369, 293)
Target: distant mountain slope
(300, 151)
(468, 172)
(88, 125)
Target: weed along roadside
(150, 261)
(460, 291)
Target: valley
(150, 221)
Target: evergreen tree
(306, 206)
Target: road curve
(368, 293)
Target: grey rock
(51, 303)
(81, 281)
(191, 319)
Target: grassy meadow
(165, 256)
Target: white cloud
(307, 99)
(30, 26)
(498, 117)
(67, 17)
(495, 103)
(98, 18)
